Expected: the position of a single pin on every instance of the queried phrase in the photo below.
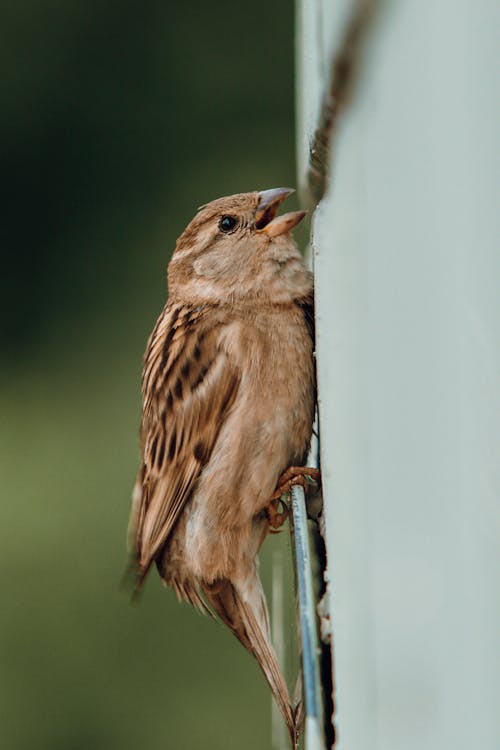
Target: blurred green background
(118, 120)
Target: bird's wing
(189, 386)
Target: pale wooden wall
(407, 270)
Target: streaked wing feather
(189, 385)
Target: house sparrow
(228, 402)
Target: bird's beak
(265, 215)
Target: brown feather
(198, 397)
(239, 616)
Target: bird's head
(237, 247)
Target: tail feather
(248, 621)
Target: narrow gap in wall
(325, 657)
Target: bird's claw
(302, 475)
(276, 517)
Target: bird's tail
(244, 610)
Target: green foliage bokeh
(118, 120)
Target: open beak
(265, 215)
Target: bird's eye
(228, 224)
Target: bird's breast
(268, 428)
(277, 390)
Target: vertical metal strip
(310, 666)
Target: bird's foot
(277, 513)
(303, 475)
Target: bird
(228, 399)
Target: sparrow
(228, 392)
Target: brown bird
(228, 402)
